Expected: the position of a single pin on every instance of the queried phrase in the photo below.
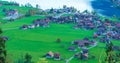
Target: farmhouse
(57, 56)
(49, 54)
(83, 43)
(12, 12)
(72, 48)
(24, 27)
(84, 54)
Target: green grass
(21, 10)
(39, 41)
(20, 22)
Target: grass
(39, 41)
(20, 22)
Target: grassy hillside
(39, 41)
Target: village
(104, 31)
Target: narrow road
(10, 29)
(68, 60)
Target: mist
(47, 4)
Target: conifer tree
(2, 49)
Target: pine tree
(30, 12)
(110, 53)
(2, 49)
(28, 58)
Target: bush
(58, 40)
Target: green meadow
(39, 41)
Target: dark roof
(85, 50)
(81, 42)
(116, 47)
(56, 54)
(4, 38)
(71, 48)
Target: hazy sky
(45, 4)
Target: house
(24, 27)
(49, 54)
(76, 55)
(12, 12)
(117, 25)
(4, 38)
(31, 26)
(57, 56)
(83, 43)
(117, 48)
(84, 54)
(72, 48)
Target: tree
(28, 5)
(109, 48)
(51, 10)
(28, 58)
(4, 10)
(58, 40)
(37, 6)
(85, 11)
(94, 12)
(0, 31)
(30, 12)
(64, 6)
(2, 49)
(111, 54)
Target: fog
(47, 4)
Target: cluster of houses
(78, 18)
(86, 21)
(36, 23)
(62, 19)
(55, 56)
(65, 9)
(108, 30)
(83, 54)
(105, 30)
(83, 45)
(11, 14)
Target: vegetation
(2, 49)
(38, 41)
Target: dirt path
(68, 60)
(7, 29)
